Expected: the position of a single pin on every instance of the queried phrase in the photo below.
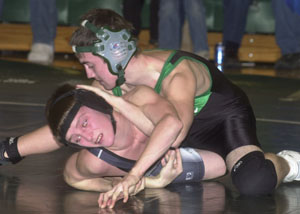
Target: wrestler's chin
(106, 142)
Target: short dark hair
(99, 18)
(56, 112)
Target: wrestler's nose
(89, 73)
(88, 135)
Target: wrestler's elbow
(72, 181)
(68, 178)
(175, 125)
(182, 134)
(98, 184)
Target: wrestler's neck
(141, 70)
(125, 133)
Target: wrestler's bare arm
(86, 172)
(172, 167)
(166, 123)
(180, 90)
(128, 105)
(38, 141)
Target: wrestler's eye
(77, 140)
(90, 66)
(85, 123)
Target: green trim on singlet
(166, 70)
(117, 91)
(199, 101)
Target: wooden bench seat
(254, 48)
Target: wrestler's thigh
(214, 164)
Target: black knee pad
(254, 175)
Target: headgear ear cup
(115, 47)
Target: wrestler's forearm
(172, 168)
(131, 111)
(186, 119)
(95, 184)
(163, 136)
(150, 183)
(155, 182)
(135, 115)
(182, 135)
(37, 142)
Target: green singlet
(173, 60)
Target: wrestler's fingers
(167, 157)
(163, 162)
(106, 198)
(172, 159)
(179, 160)
(171, 156)
(125, 193)
(93, 89)
(109, 202)
(102, 201)
(116, 196)
(87, 87)
(138, 186)
(105, 201)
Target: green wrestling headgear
(115, 47)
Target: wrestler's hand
(130, 185)
(110, 98)
(94, 89)
(172, 167)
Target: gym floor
(36, 186)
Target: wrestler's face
(95, 67)
(91, 128)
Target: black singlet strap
(112, 158)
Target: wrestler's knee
(254, 175)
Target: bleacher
(258, 44)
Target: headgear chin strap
(116, 47)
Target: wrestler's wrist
(162, 181)
(136, 173)
(141, 186)
(9, 151)
(151, 182)
(117, 103)
(155, 182)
